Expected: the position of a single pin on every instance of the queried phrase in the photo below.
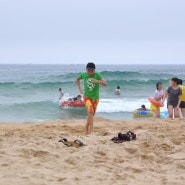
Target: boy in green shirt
(91, 80)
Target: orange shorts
(90, 104)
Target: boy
(92, 80)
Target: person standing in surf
(117, 91)
(173, 94)
(61, 93)
(92, 80)
(158, 96)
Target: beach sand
(30, 153)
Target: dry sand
(30, 153)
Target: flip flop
(66, 142)
(76, 143)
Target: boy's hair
(90, 65)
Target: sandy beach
(30, 153)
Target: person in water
(143, 107)
(117, 90)
(61, 95)
(92, 80)
(77, 98)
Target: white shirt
(158, 93)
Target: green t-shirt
(91, 89)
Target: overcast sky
(100, 31)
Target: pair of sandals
(124, 137)
(76, 143)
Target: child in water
(118, 90)
(142, 108)
(77, 98)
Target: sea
(29, 93)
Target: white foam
(123, 105)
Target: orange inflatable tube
(72, 104)
(154, 102)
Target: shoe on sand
(76, 143)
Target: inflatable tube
(142, 113)
(72, 104)
(154, 102)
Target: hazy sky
(101, 31)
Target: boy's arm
(78, 85)
(101, 81)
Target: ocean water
(30, 92)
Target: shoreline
(31, 154)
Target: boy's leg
(87, 128)
(90, 122)
(91, 114)
(91, 106)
